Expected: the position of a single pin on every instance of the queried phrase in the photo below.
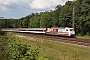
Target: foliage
(1, 32)
(12, 50)
(34, 22)
(4, 49)
(45, 20)
(62, 16)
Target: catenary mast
(73, 24)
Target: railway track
(78, 41)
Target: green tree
(34, 22)
(82, 16)
(46, 20)
(56, 16)
(66, 15)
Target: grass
(55, 50)
(58, 51)
(85, 36)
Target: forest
(62, 16)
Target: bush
(1, 32)
(4, 49)
(12, 50)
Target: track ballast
(77, 41)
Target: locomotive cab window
(66, 29)
(71, 29)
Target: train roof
(61, 28)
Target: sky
(21, 8)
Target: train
(61, 31)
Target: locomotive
(62, 31)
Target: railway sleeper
(73, 42)
(66, 41)
(80, 43)
(87, 44)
